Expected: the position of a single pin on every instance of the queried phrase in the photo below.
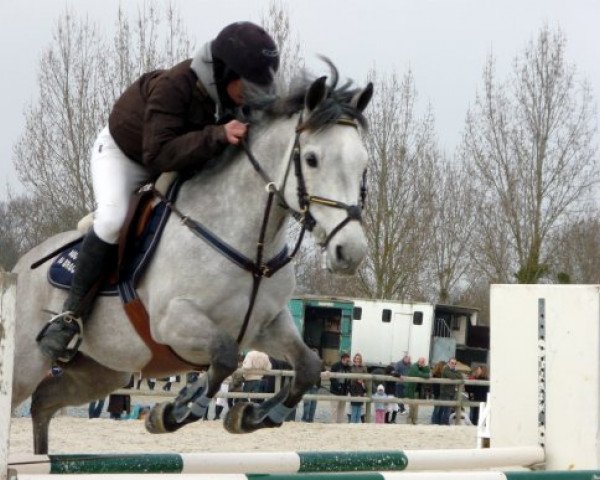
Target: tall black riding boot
(61, 336)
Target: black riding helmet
(245, 50)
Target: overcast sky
(444, 42)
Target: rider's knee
(108, 227)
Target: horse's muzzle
(347, 249)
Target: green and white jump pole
(458, 475)
(280, 462)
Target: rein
(257, 267)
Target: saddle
(140, 234)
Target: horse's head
(326, 175)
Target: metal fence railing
(460, 401)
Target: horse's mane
(263, 107)
(337, 104)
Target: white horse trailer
(383, 331)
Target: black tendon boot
(60, 338)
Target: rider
(166, 120)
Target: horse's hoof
(246, 417)
(157, 420)
(234, 419)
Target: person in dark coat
(167, 120)
(448, 391)
(339, 387)
(401, 370)
(119, 403)
(357, 389)
(436, 372)
(477, 393)
(95, 408)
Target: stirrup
(68, 317)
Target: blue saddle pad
(60, 273)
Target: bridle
(305, 200)
(258, 267)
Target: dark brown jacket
(166, 121)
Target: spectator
(462, 420)
(380, 407)
(477, 393)
(119, 403)
(448, 391)
(151, 382)
(309, 407)
(255, 360)
(95, 408)
(401, 370)
(419, 369)
(339, 387)
(438, 368)
(357, 389)
(392, 410)
(390, 391)
(169, 382)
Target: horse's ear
(316, 93)
(362, 98)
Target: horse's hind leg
(280, 340)
(81, 381)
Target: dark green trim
(317, 476)
(107, 463)
(562, 475)
(352, 461)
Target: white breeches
(114, 177)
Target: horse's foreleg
(82, 381)
(193, 400)
(280, 339)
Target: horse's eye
(311, 160)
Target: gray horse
(309, 144)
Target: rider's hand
(235, 131)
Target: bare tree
(51, 156)
(530, 141)
(313, 279)
(24, 222)
(491, 252)
(576, 257)
(476, 294)
(9, 240)
(80, 75)
(399, 214)
(277, 22)
(453, 225)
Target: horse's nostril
(339, 252)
